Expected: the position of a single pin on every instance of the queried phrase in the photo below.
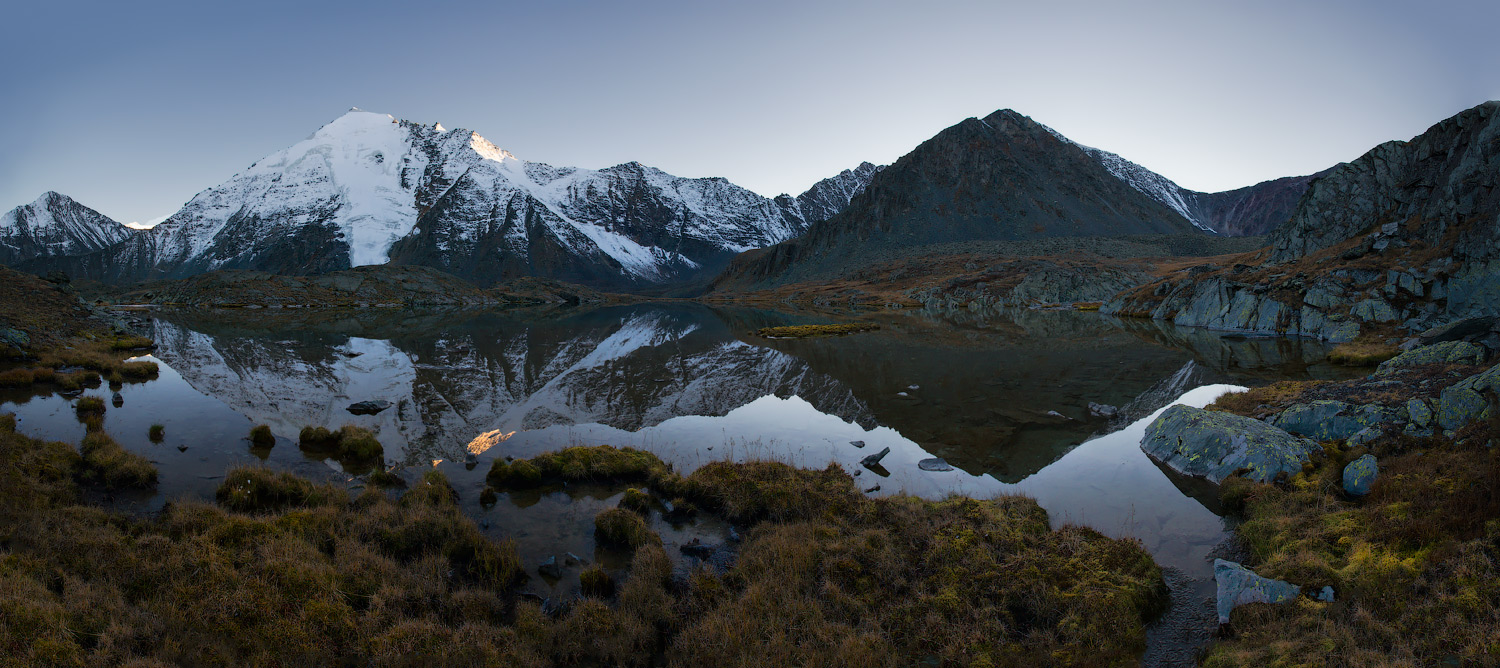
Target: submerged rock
(1359, 475)
(549, 568)
(369, 407)
(1214, 445)
(1447, 352)
(1326, 420)
(1103, 410)
(1238, 586)
(934, 464)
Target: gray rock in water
(1447, 352)
(1359, 475)
(934, 464)
(857, 444)
(874, 489)
(550, 568)
(1213, 445)
(1103, 410)
(1239, 585)
(874, 460)
(369, 407)
(698, 549)
(573, 560)
(117, 400)
(1326, 420)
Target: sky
(132, 108)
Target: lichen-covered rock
(1359, 475)
(1467, 400)
(1419, 412)
(1238, 586)
(1326, 420)
(1214, 445)
(1447, 352)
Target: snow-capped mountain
(369, 189)
(56, 226)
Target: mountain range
(368, 189)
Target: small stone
(1326, 595)
(117, 400)
(1359, 475)
(698, 549)
(1103, 410)
(874, 460)
(874, 489)
(934, 464)
(549, 568)
(902, 394)
(857, 444)
(573, 560)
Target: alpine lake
(1002, 399)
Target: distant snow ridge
(56, 226)
(1149, 183)
(369, 189)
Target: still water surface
(1002, 399)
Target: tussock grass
(138, 370)
(125, 343)
(1259, 402)
(108, 464)
(355, 447)
(282, 571)
(261, 436)
(156, 433)
(622, 528)
(804, 331)
(1362, 353)
(576, 464)
(89, 406)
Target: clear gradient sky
(132, 107)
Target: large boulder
(1467, 400)
(1326, 420)
(1359, 475)
(1238, 586)
(1447, 352)
(1213, 445)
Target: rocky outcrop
(1447, 352)
(1214, 445)
(1253, 210)
(1327, 420)
(1405, 238)
(1473, 398)
(1031, 282)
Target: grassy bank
(278, 570)
(1415, 564)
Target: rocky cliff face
(1253, 210)
(368, 189)
(56, 226)
(1402, 239)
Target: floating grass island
(807, 331)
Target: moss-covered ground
(1415, 564)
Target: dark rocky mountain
(1402, 239)
(56, 226)
(1004, 177)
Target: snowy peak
(367, 188)
(55, 225)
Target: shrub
(261, 436)
(618, 527)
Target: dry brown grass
(1362, 353)
(805, 331)
(1259, 402)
